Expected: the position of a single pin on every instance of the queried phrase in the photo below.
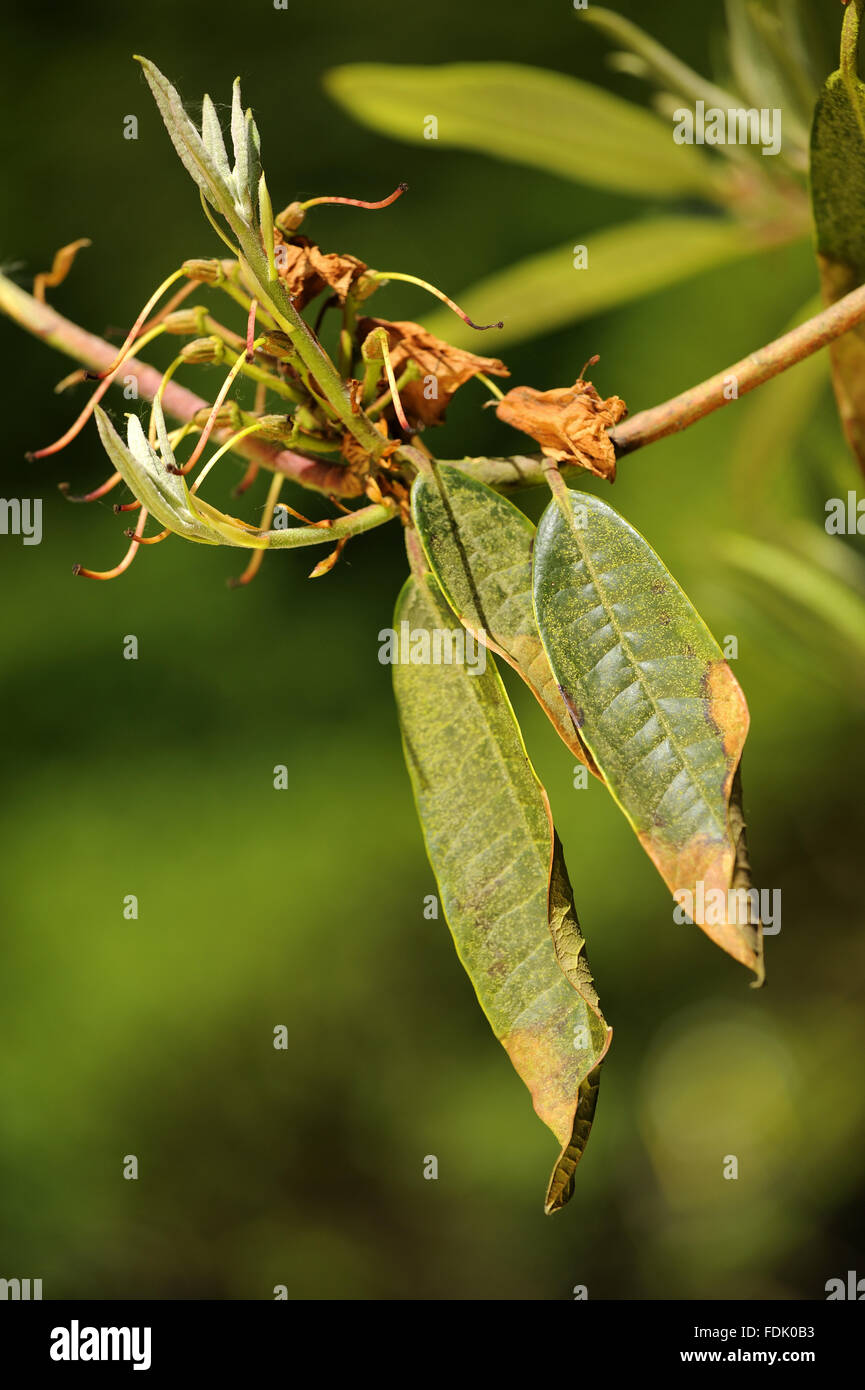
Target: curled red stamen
(360, 202)
(95, 494)
(124, 563)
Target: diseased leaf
(502, 880)
(655, 703)
(479, 547)
(531, 115)
(544, 292)
(838, 198)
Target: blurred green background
(305, 907)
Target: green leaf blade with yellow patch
(654, 700)
(502, 880)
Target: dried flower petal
(442, 367)
(570, 423)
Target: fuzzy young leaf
(655, 703)
(502, 880)
(166, 497)
(479, 547)
(194, 154)
(211, 134)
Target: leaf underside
(655, 703)
(502, 880)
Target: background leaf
(543, 292)
(530, 115)
(654, 700)
(502, 880)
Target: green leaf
(479, 547)
(166, 497)
(544, 292)
(211, 134)
(204, 166)
(530, 115)
(838, 198)
(805, 580)
(502, 880)
(655, 703)
(657, 61)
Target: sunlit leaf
(479, 547)
(530, 115)
(655, 703)
(502, 880)
(543, 292)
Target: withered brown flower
(306, 269)
(570, 423)
(449, 367)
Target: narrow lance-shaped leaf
(545, 291)
(501, 876)
(656, 705)
(206, 168)
(479, 547)
(838, 198)
(542, 118)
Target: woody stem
(93, 352)
(752, 371)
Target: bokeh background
(305, 907)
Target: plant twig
(685, 409)
(93, 352)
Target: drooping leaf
(544, 292)
(502, 880)
(479, 547)
(655, 703)
(838, 198)
(531, 115)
